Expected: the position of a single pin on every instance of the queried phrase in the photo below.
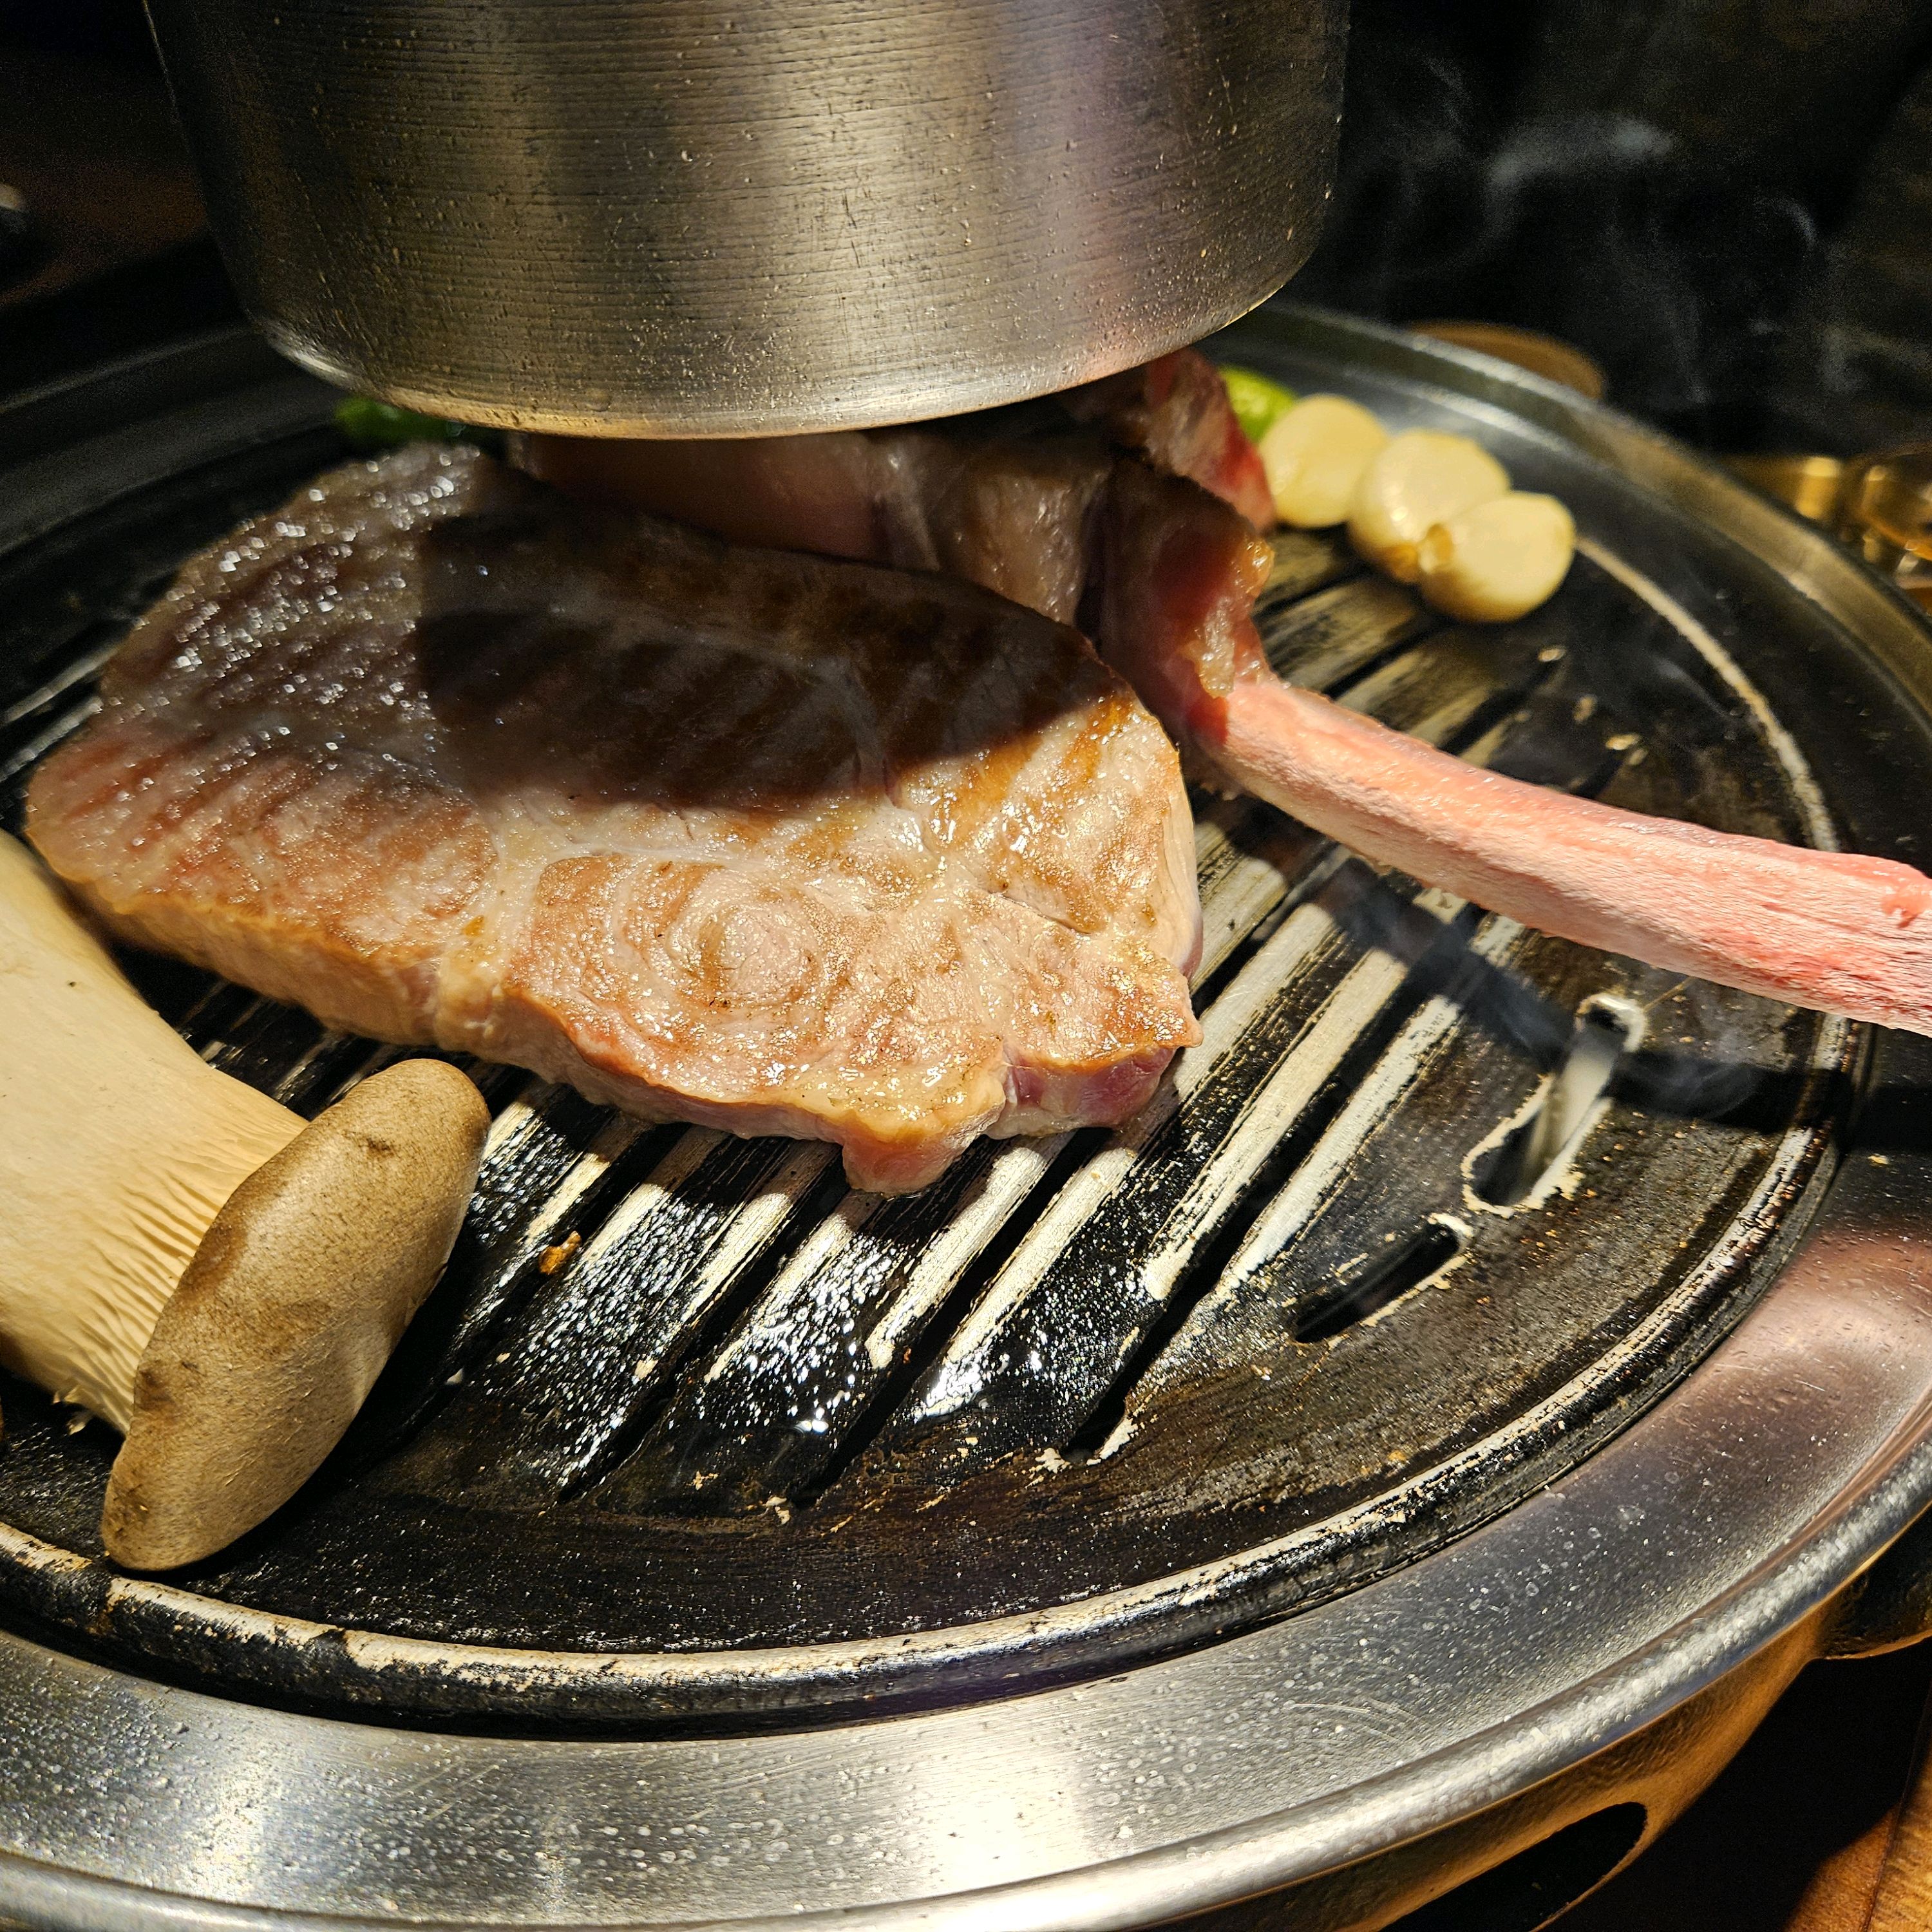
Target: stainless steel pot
(684, 217)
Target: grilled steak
(1175, 411)
(759, 841)
(1164, 574)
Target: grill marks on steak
(768, 843)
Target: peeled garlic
(1424, 477)
(1499, 559)
(1314, 454)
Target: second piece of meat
(1164, 573)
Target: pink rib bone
(1836, 931)
(1828, 929)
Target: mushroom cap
(298, 1293)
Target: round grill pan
(1440, 1209)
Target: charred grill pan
(693, 1439)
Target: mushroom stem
(119, 1145)
(192, 1262)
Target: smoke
(1608, 175)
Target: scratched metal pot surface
(682, 217)
(694, 1444)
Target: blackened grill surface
(683, 1392)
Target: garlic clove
(1314, 454)
(1422, 478)
(1498, 560)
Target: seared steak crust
(761, 840)
(1165, 570)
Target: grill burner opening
(1434, 1208)
(1405, 1263)
(1536, 1150)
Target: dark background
(1727, 203)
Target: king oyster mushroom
(194, 1264)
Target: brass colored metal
(1903, 1899)
(683, 218)
(1884, 514)
(1808, 484)
(1546, 356)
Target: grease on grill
(1534, 1153)
(1405, 1263)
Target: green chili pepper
(1259, 401)
(367, 426)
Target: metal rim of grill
(217, 1644)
